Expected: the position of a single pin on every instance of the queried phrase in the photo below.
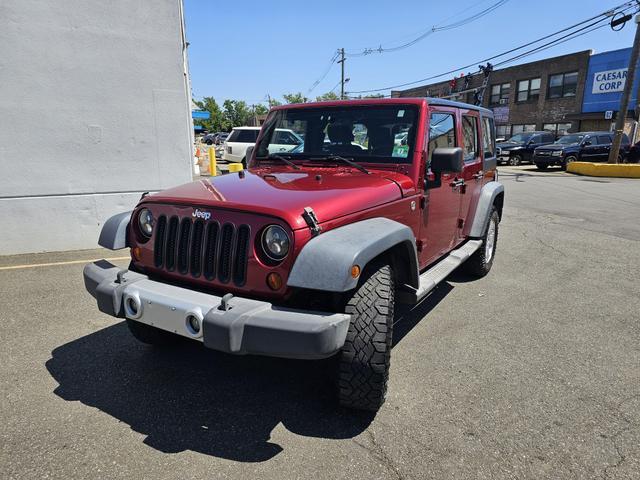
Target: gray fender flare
(325, 262)
(114, 232)
(487, 198)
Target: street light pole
(626, 95)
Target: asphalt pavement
(532, 372)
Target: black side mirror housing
(447, 160)
(248, 154)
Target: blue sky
(247, 49)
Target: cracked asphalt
(532, 372)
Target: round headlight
(145, 222)
(275, 242)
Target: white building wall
(94, 110)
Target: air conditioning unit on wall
(504, 101)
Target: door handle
(478, 175)
(457, 183)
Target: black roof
(450, 103)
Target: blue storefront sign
(606, 77)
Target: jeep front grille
(195, 248)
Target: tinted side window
(548, 138)
(604, 139)
(470, 137)
(625, 139)
(442, 132)
(488, 137)
(246, 136)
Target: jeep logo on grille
(201, 214)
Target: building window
(503, 131)
(558, 128)
(563, 85)
(500, 94)
(530, 127)
(528, 90)
(470, 138)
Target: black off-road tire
(365, 357)
(151, 335)
(542, 166)
(480, 263)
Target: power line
(606, 14)
(325, 73)
(433, 29)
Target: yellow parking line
(52, 264)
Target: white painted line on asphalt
(53, 264)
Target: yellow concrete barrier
(235, 167)
(212, 162)
(622, 170)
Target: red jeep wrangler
(306, 254)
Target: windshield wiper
(281, 158)
(348, 161)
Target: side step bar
(441, 270)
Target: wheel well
(498, 202)
(403, 260)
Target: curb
(621, 170)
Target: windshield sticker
(400, 113)
(400, 151)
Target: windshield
(363, 133)
(521, 138)
(567, 139)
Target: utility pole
(626, 95)
(341, 62)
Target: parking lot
(531, 372)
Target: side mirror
(248, 154)
(447, 160)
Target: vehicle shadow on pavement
(191, 398)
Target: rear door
(604, 147)
(472, 174)
(440, 215)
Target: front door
(590, 148)
(440, 215)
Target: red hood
(331, 193)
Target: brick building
(542, 95)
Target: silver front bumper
(230, 324)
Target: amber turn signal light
(274, 281)
(136, 253)
(355, 271)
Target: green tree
(295, 98)
(215, 121)
(325, 97)
(236, 114)
(261, 109)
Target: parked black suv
(583, 146)
(520, 147)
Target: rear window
(244, 136)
